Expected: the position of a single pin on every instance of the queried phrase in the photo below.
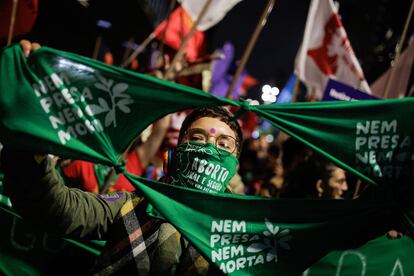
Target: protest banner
(337, 91)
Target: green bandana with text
(203, 167)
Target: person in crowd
(136, 243)
(157, 248)
(297, 169)
(331, 182)
(272, 183)
(248, 164)
(313, 176)
(254, 162)
(98, 178)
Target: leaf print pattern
(118, 99)
(273, 238)
(123, 105)
(109, 118)
(119, 90)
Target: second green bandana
(246, 235)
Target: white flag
(326, 51)
(216, 11)
(397, 86)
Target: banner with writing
(276, 236)
(26, 251)
(82, 108)
(338, 91)
(372, 139)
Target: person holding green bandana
(206, 159)
(137, 244)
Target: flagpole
(260, 24)
(97, 46)
(138, 50)
(128, 48)
(411, 91)
(295, 90)
(398, 50)
(12, 22)
(180, 52)
(357, 189)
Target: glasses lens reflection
(224, 142)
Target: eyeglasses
(224, 142)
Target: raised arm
(147, 150)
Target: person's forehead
(213, 126)
(338, 173)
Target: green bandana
(203, 166)
(102, 174)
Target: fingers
(28, 47)
(35, 46)
(163, 123)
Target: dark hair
(326, 170)
(213, 112)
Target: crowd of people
(286, 168)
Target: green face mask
(203, 166)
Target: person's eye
(226, 143)
(197, 138)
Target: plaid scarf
(141, 245)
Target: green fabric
(114, 105)
(25, 250)
(378, 257)
(53, 87)
(75, 107)
(71, 99)
(201, 166)
(102, 173)
(372, 139)
(243, 234)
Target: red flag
(248, 82)
(178, 28)
(26, 14)
(326, 51)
